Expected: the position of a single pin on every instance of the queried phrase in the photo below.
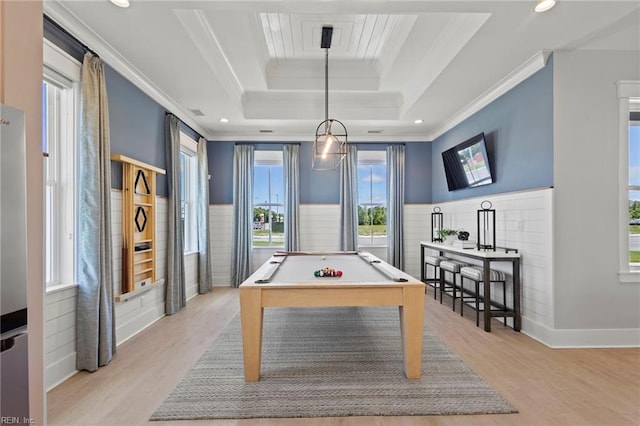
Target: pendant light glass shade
(330, 143)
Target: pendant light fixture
(330, 144)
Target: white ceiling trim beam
(454, 36)
(342, 106)
(308, 137)
(205, 40)
(70, 22)
(308, 74)
(517, 76)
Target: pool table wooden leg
(251, 314)
(411, 325)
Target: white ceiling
(260, 65)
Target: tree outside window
(372, 198)
(268, 199)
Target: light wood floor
(547, 386)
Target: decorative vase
(450, 239)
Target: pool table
(287, 280)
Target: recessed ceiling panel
(260, 64)
(357, 36)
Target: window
(629, 181)
(372, 198)
(188, 179)
(59, 122)
(634, 186)
(268, 199)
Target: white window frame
(189, 147)
(270, 158)
(364, 158)
(63, 72)
(628, 93)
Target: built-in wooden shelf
(138, 225)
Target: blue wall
(318, 187)
(417, 173)
(518, 127)
(315, 187)
(136, 124)
(221, 170)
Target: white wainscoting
(320, 227)
(132, 316)
(221, 234)
(137, 313)
(523, 221)
(417, 222)
(60, 335)
(318, 222)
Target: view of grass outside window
(634, 188)
(372, 198)
(268, 199)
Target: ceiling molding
(305, 74)
(524, 71)
(61, 15)
(283, 105)
(274, 137)
(455, 35)
(195, 24)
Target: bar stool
(453, 267)
(476, 274)
(435, 281)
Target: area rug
(328, 362)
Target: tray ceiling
(260, 64)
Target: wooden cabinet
(138, 224)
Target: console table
(486, 257)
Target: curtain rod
(71, 36)
(267, 143)
(185, 124)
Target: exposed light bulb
(328, 141)
(544, 5)
(418, 121)
(224, 120)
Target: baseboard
(60, 371)
(581, 338)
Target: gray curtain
(395, 205)
(95, 325)
(242, 214)
(175, 292)
(291, 158)
(349, 200)
(205, 276)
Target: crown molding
(110, 55)
(524, 71)
(274, 137)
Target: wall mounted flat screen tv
(466, 165)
